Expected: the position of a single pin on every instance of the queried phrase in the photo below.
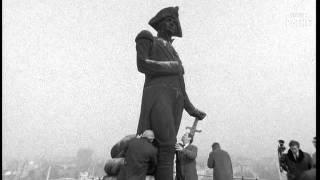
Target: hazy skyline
(70, 78)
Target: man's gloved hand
(178, 147)
(198, 114)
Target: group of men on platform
(135, 158)
(151, 151)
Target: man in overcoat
(314, 155)
(164, 95)
(186, 154)
(140, 157)
(220, 161)
(295, 162)
(115, 166)
(311, 173)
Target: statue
(164, 95)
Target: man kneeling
(117, 167)
(140, 157)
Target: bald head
(148, 134)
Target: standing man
(310, 174)
(186, 159)
(295, 162)
(140, 157)
(220, 161)
(164, 95)
(314, 157)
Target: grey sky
(70, 78)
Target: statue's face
(169, 24)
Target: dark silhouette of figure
(186, 159)
(164, 96)
(140, 157)
(295, 162)
(220, 161)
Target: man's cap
(163, 13)
(294, 143)
(215, 145)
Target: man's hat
(294, 143)
(215, 145)
(166, 12)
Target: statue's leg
(165, 115)
(164, 120)
(165, 163)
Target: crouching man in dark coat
(115, 166)
(140, 157)
(186, 154)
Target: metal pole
(48, 174)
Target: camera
(281, 147)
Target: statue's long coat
(164, 96)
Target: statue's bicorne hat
(163, 13)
